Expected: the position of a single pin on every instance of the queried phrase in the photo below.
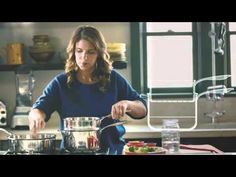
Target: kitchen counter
(141, 131)
(204, 149)
(52, 130)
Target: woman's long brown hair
(103, 66)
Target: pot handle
(109, 116)
(112, 125)
(104, 117)
(5, 131)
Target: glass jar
(170, 136)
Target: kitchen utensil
(85, 123)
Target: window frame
(228, 49)
(201, 59)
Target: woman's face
(85, 55)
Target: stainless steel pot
(82, 134)
(81, 123)
(28, 143)
(84, 123)
(81, 141)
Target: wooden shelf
(51, 66)
(47, 66)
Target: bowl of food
(141, 148)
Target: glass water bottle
(170, 136)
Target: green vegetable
(131, 149)
(151, 149)
(144, 149)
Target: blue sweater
(87, 100)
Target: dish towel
(203, 147)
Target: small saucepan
(30, 144)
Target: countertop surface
(139, 131)
(194, 151)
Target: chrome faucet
(221, 38)
(215, 94)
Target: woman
(89, 87)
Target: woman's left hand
(119, 109)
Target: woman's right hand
(36, 120)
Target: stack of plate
(117, 51)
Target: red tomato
(136, 143)
(151, 144)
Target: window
(232, 34)
(168, 57)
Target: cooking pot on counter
(82, 134)
(31, 144)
